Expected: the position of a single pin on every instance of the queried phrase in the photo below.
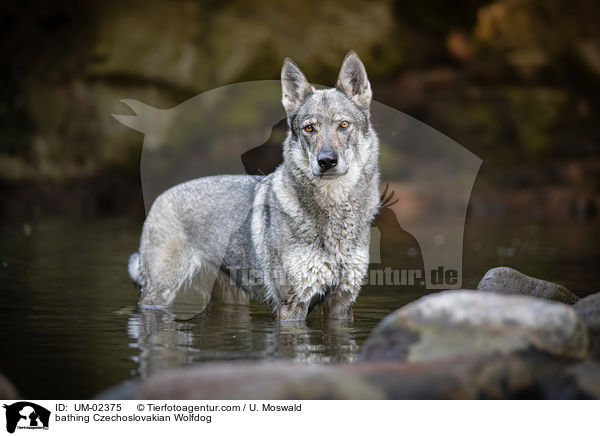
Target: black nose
(327, 159)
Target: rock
(588, 309)
(7, 389)
(586, 379)
(252, 380)
(510, 281)
(481, 377)
(471, 378)
(201, 47)
(488, 377)
(471, 323)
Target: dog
(296, 238)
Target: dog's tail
(133, 266)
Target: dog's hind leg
(176, 280)
(195, 289)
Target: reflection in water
(64, 287)
(230, 332)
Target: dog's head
(328, 128)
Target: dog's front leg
(338, 303)
(291, 307)
(292, 311)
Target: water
(71, 326)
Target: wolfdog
(295, 238)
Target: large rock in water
(489, 377)
(467, 323)
(510, 281)
(588, 309)
(252, 380)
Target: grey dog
(296, 238)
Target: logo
(417, 237)
(26, 415)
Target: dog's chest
(333, 246)
(338, 232)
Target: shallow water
(71, 326)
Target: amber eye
(344, 124)
(308, 128)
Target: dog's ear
(353, 81)
(295, 88)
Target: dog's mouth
(329, 176)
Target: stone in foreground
(467, 323)
(507, 280)
(588, 309)
(252, 380)
(490, 377)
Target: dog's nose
(327, 159)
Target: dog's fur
(308, 227)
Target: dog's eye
(344, 124)
(308, 128)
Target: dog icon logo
(26, 415)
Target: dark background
(515, 82)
